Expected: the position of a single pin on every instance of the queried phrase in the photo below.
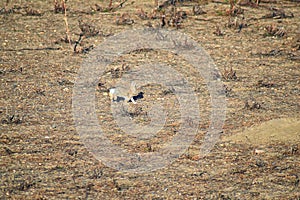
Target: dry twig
(66, 23)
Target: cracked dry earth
(256, 49)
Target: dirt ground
(256, 49)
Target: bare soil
(256, 48)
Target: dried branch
(66, 23)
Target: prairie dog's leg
(133, 101)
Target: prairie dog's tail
(132, 90)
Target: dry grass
(41, 154)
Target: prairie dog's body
(122, 93)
